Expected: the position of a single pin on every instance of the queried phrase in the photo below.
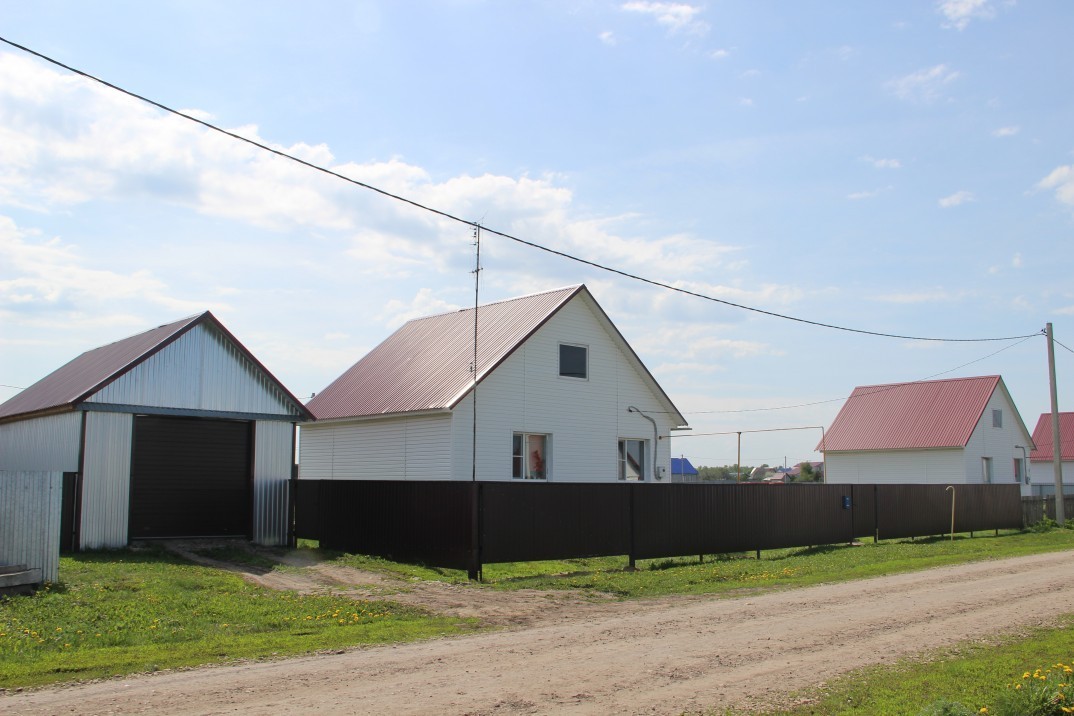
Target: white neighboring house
(957, 431)
(1042, 474)
(560, 395)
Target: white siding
(48, 443)
(30, 507)
(409, 448)
(585, 418)
(273, 457)
(925, 467)
(201, 370)
(996, 443)
(106, 479)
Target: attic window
(997, 418)
(573, 361)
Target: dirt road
(652, 657)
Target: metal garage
(175, 432)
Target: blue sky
(903, 168)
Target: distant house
(682, 470)
(958, 431)
(1042, 472)
(175, 432)
(560, 396)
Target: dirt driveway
(661, 656)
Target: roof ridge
(926, 382)
(572, 287)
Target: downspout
(656, 436)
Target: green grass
(973, 674)
(777, 569)
(131, 611)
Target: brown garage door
(190, 477)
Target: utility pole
(738, 460)
(1057, 458)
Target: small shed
(1042, 473)
(560, 396)
(175, 432)
(956, 431)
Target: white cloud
(1006, 131)
(720, 54)
(1064, 311)
(883, 163)
(608, 38)
(859, 195)
(925, 85)
(938, 295)
(676, 16)
(957, 199)
(424, 303)
(1062, 180)
(745, 101)
(1016, 261)
(959, 13)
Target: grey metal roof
(425, 365)
(69, 385)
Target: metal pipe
(656, 435)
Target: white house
(560, 396)
(175, 432)
(957, 431)
(1042, 472)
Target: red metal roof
(425, 365)
(906, 416)
(1042, 438)
(72, 383)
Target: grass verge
(134, 611)
(729, 575)
(975, 674)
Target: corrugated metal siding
(30, 512)
(48, 443)
(906, 416)
(106, 480)
(201, 370)
(273, 457)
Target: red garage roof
(907, 416)
(1042, 438)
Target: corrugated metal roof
(1042, 438)
(72, 383)
(425, 365)
(907, 416)
(682, 466)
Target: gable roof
(682, 466)
(67, 386)
(1042, 438)
(908, 416)
(425, 364)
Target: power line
(524, 242)
(880, 389)
(1060, 344)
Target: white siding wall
(30, 506)
(996, 443)
(410, 448)
(48, 443)
(199, 371)
(106, 479)
(1043, 474)
(273, 457)
(927, 467)
(585, 418)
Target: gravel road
(662, 656)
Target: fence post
(630, 491)
(474, 571)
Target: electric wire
(1061, 345)
(510, 237)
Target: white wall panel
(48, 443)
(273, 457)
(411, 448)
(30, 511)
(106, 480)
(201, 370)
(923, 467)
(996, 443)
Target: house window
(529, 456)
(573, 361)
(632, 460)
(1018, 471)
(997, 418)
(986, 470)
